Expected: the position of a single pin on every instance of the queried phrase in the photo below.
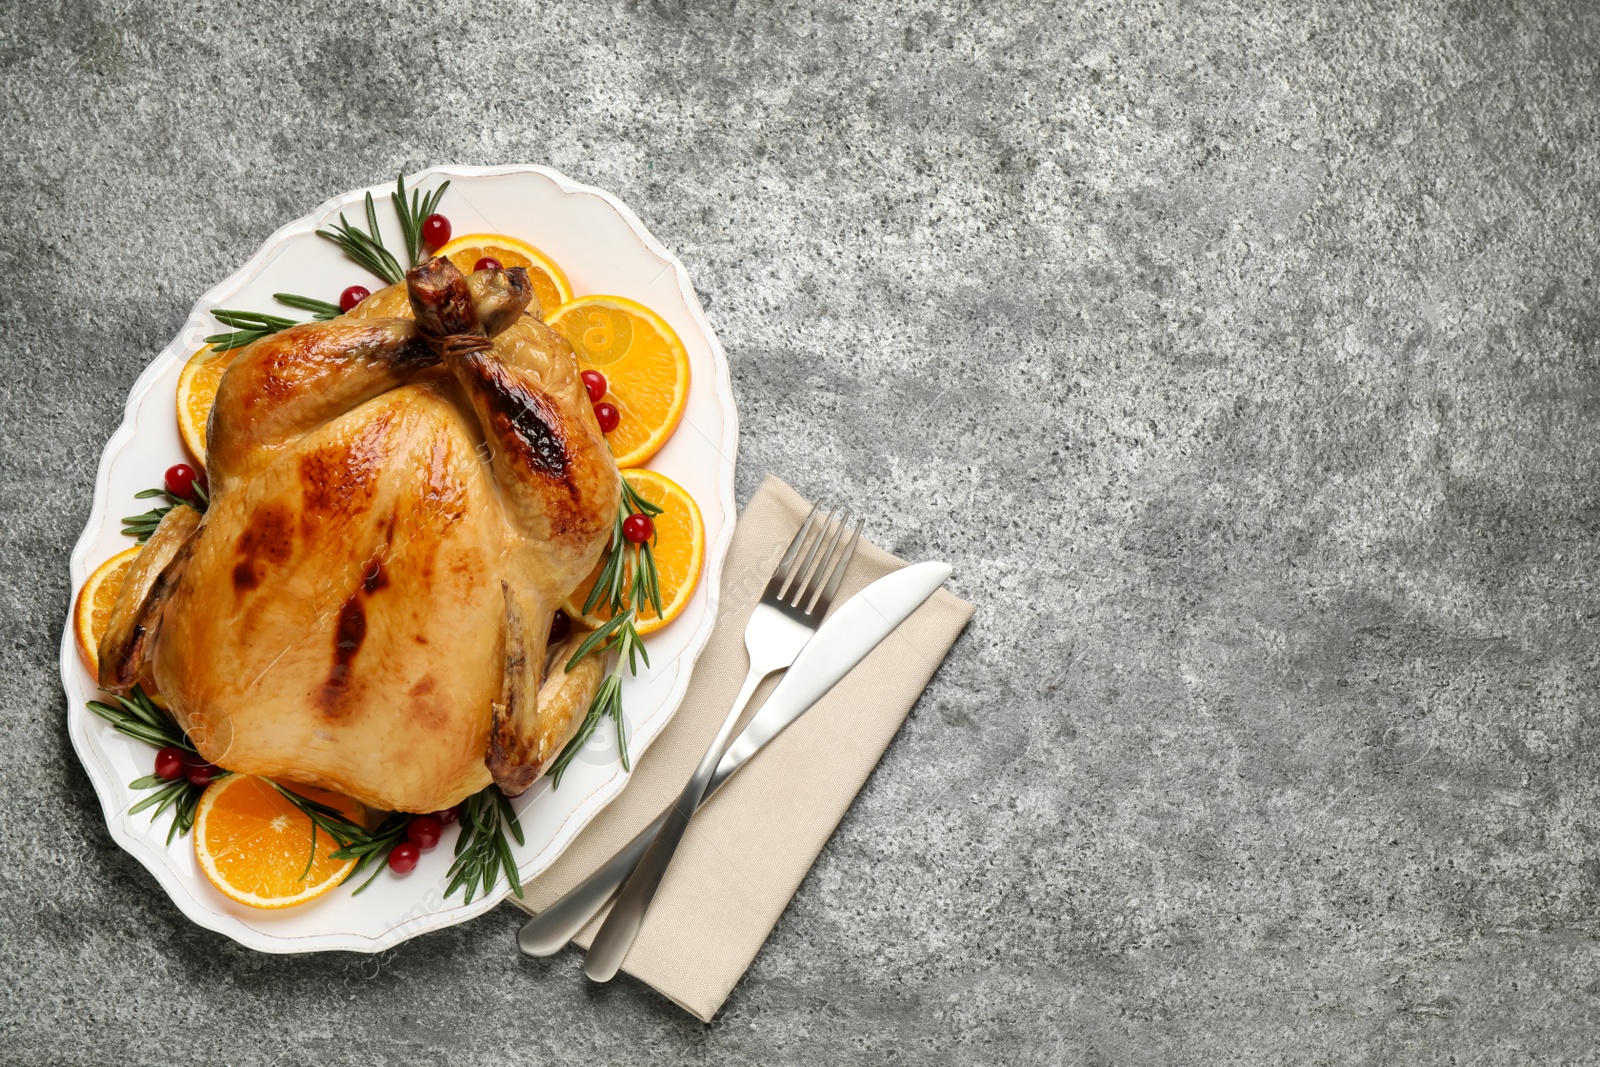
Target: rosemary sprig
(138, 717)
(482, 851)
(607, 701)
(601, 638)
(376, 847)
(142, 525)
(321, 310)
(618, 633)
(627, 565)
(366, 246)
(412, 214)
(628, 579)
(251, 326)
(355, 841)
(248, 328)
(179, 795)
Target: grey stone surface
(1240, 357)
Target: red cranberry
(199, 772)
(486, 263)
(424, 831)
(180, 480)
(607, 415)
(403, 857)
(353, 296)
(560, 627)
(169, 763)
(435, 231)
(449, 815)
(595, 383)
(638, 528)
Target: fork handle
(610, 946)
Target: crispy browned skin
(398, 507)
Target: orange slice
(679, 548)
(253, 844)
(550, 283)
(646, 368)
(92, 612)
(197, 391)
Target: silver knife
(843, 641)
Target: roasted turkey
(401, 498)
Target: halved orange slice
(91, 614)
(197, 391)
(679, 549)
(550, 283)
(645, 364)
(253, 844)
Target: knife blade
(843, 640)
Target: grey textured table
(1241, 358)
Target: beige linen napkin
(748, 849)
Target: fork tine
(819, 602)
(799, 538)
(817, 578)
(780, 573)
(802, 572)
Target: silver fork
(796, 598)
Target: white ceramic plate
(604, 248)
